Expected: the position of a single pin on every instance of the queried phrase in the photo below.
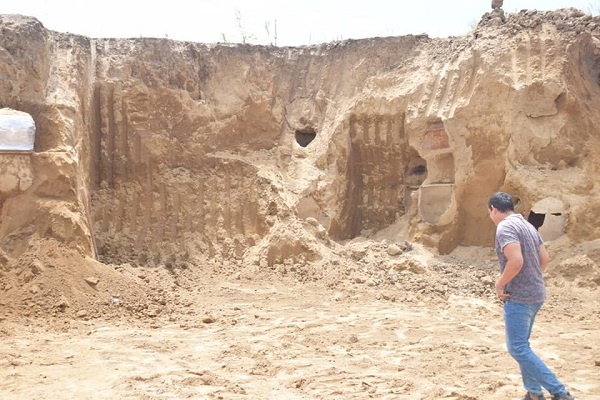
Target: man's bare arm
(513, 253)
(544, 258)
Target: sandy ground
(237, 339)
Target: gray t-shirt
(528, 286)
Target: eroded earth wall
(161, 152)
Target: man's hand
(502, 295)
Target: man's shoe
(563, 396)
(530, 396)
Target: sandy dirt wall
(179, 154)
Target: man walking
(523, 258)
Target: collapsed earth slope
(307, 160)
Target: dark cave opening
(536, 219)
(305, 136)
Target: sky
(280, 22)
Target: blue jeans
(518, 319)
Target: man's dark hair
(502, 202)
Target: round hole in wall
(419, 169)
(415, 172)
(548, 217)
(305, 136)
